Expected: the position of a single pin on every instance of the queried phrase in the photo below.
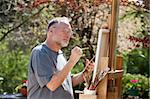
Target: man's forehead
(64, 25)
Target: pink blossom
(133, 81)
(25, 81)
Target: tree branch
(5, 34)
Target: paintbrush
(87, 78)
(86, 48)
(98, 78)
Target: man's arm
(58, 78)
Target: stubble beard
(61, 43)
(64, 44)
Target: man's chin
(64, 45)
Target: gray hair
(58, 20)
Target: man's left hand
(88, 68)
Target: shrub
(13, 69)
(138, 82)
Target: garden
(23, 25)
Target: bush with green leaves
(138, 61)
(13, 68)
(142, 84)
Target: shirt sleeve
(42, 65)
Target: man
(49, 73)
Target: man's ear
(49, 32)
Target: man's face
(61, 34)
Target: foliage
(139, 82)
(78, 67)
(136, 33)
(138, 62)
(134, 40)
(13, 68)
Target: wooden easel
(110, 86)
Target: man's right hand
(76, 53)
